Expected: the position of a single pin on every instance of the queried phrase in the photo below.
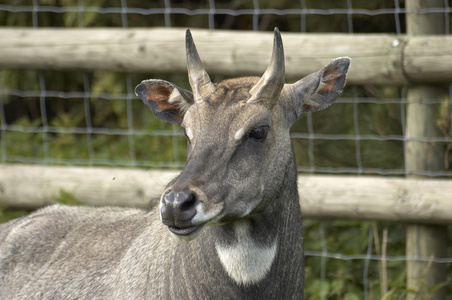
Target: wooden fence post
(424, 240)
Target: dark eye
(258, 133)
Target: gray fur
(233, 211)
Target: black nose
(178, 208)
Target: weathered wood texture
(422, 111)
(367, 198)
(377, 58)
(424, 59)
(34, 186)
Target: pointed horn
(269, 86)
(199, 79)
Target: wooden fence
(349, 197)
(376, 58)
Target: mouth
(187, 231)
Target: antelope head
(239, 147)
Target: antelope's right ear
(168, 101)
(316, 91)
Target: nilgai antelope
(228, 227)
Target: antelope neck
(245, 259)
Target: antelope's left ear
(168, 101)
(316, 91)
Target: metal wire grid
(324, 254)
(89, 130)
(311, 136)
(43, 95)
(167, 10)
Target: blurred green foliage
(343, 279)
(9, 214)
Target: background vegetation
(111, 105)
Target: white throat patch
(246, 262)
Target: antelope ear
(168, 101)
(316, 91)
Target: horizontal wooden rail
(377, 58)
(340, 197)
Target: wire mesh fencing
(94, 118)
